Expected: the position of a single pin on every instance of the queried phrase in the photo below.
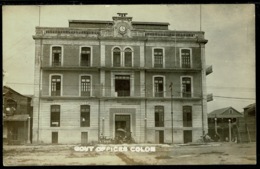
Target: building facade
(94, 77)
(17, 117)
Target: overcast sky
(230, 30)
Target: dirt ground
(49, 155)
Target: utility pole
(171, 112)
(229, 125)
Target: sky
(229, 29)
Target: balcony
(122, 93)
(65, 32)
(209, 97)
(209, 69)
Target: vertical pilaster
(141, 56)
(102, 82)
(142, 83)
(36, 99)
(102, 55)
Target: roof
(17, 117)
(224, 113)
(250, 106)
(111, 22)
(6, 89)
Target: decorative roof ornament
(122, 17)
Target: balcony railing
(56, 63)
(123, 93)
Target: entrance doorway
(187, 136)
(122, 122)
(54, 138)
(159, 136)
(84, 138)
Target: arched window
(116, 57)
(186, 87)
(186, 58)
(159, 116)
(56, 56)
(187, 116)
(85, 56)
(158, 58)
(158, 87)
(128, 57)
(55, 85)
(85, 85)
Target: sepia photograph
(87, 85)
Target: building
(219, 121)
(17, 117)
(247, 124)
(98, 76)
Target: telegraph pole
(171, 112)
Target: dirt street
(46, 155)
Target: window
(55, 85)
(85, 86)
(122, 85)
(158, 87)
(128, 57)
(11, 103)
(186, 58)
(186, 87)
(55, 115)
(116, 57)
(158, 58)
(230, 111)
(85, 56)
(84, 116)
(187, 116)
(56, 56)
(159, 116)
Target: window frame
(51, 58)
(163, 56)
(50, 84)
(161, 116)
(87, 115)
(164, 85)
(80, 76)
(112, 54)
(187, 123)
(113, 77)
(181, 86)
(91, 55)
(51, 114)
(126, 77)
(180, 51)
(132, 56)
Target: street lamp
(103, 125)
(229, 123)
(145, 128)
(29, 124)
(216, 131)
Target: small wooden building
(17, 117)
(247, 125)
(218, 123)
